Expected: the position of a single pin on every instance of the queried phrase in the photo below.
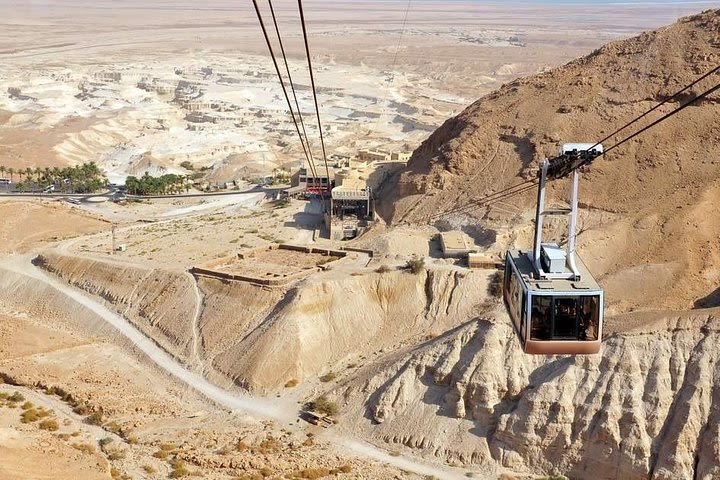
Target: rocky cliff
(648, 407)
(657, 193)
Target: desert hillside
(657, 192)
(261, 338)
(646, 408)
(223, 336)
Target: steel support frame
(540, 213)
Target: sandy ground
(85, 343)
(29, 452)
(138, 88)
(29, 224)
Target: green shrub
(328, 377)
(179, 469)
(314, 473)
(113, 427)
(161, 454)
(49, 424)
(16, 397)
(323, 405)
(29, 416)
(415, 265)
(95, 418)
(84, 447)
(42, 413)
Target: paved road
(115, 194)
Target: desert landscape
(217, 332)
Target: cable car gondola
(554, 302)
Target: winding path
(196, 336)
(256, 406)
(276, 409)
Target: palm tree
(11, 172)
(2, 170)
(55, 173)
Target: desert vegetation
(162, 185)
(85, 178)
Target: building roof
(456, 241)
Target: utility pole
(114, 246)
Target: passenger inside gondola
(588, 318)
(541, 317)
(565, 318)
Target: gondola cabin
(553, 316)
(554, 302)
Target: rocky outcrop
(320, 324)
(653, 191)
(647, 407)
(262, 337)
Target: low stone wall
(477, 261)
(209, 269)
(269, 282)
(368, 252)
(295, 248)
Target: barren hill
(646, 408)
(657, 193)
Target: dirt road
(281, 410)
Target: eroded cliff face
(160, 303)
(320, 324)
(647, 407)
(262, 337)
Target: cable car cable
(392, 69)
(314, 90)
(292, 85)
(282, 82)
(488, 198)
(667, 100)
(500, 194)
(666, 116)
